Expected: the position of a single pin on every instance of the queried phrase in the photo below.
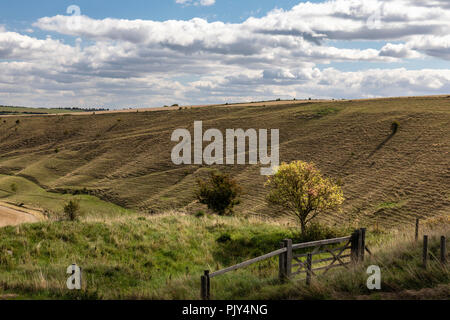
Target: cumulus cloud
(436, 46)
(286, 53)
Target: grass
(162, 257)
(52, 203)
(327, 111)
(131, 256)
(402, 276)
(389, 205)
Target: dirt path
(13, 217)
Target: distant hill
(8, 110)
(124, 157)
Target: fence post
(205, 286)
(308, 268)
(425, 251)
(282, 264)
(417, 230)
(288, 262)
(355, 246)
(443, 251)
(362, 243)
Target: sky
(140, 53)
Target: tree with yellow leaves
(301, 189)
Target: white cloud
(399, 51)
(436, 46)
(120, 62)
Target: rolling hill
(124, 158)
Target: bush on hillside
(219, 193)
(72, 210)
(317, 231)
(394, 127)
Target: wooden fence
(426, 253)
(291, 264)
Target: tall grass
(136, 256)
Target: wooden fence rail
(288, 260)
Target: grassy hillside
(130, 256)
(135, 256)
(125, 158)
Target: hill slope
(124, 158)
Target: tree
(300, 188)
(72, 210)
(219, 193)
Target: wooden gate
(351, 251)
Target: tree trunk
(303, 226)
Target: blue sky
(149, 53)
(20, 14)
(26, 11)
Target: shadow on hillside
(381, 145)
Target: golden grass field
(124, 157)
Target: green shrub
(200, 214)
(219, 193)
(72, 210)
(316, 231)
(224, 238)
(394, 127)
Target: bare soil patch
(13, 217)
